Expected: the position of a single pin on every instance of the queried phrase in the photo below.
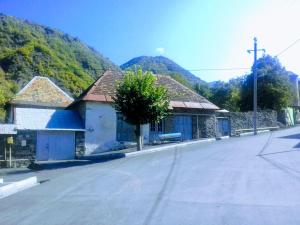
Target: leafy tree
(141, 100)
(7, 91)
(203, 90)
(273, 86)
(28, 49)
(226, 96)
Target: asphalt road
(239, 181)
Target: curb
(252, 133)
(169, 147)
(15, 187)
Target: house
(47, 124)
(190, 114)
(44, 130)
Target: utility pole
(255, 85)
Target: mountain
(28, 49)
(163, 65)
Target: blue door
(223, 125)
(183, 125)
(55, 145)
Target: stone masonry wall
(207, 126)
(244, 120)
(23, 149)
(80, 144)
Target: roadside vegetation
(274, 88)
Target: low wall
(244, 120)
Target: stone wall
(80, 144)
(244, 120)
(207, 126)
(23, 149)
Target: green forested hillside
(28, 49)
(163, 65)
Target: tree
(7, 91)
(203, 90)
(226, 95)
(141, 100)
(273, 86)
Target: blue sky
(196, 34)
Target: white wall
(101, 126)
(100, 123)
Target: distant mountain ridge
(162, 65)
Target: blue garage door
(183, 125)
(55, 145)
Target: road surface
(239, 181)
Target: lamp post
(255, 85)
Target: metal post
(198, 135)
(255, 89)
(5, 152)
(255, 50)
(10, 157)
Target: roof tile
(181, 97)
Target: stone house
(44, 130)
(190, 114)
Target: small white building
(45, 131)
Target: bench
(170, 137)
(240, 131)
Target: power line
(234, 68)
(288, 47)
(200, 69)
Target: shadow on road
(73, 163)
(280, 166)
(53, 165)
(285, 169)
(273, 153)
(293, 136)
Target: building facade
(43, 129)
(190, 114)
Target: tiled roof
(181, 97)
(41, 91)
(47, 119)
(103, 89)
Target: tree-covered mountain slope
(28, 49)
(163, 65)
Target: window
(125, 131)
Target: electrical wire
(288, 47)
